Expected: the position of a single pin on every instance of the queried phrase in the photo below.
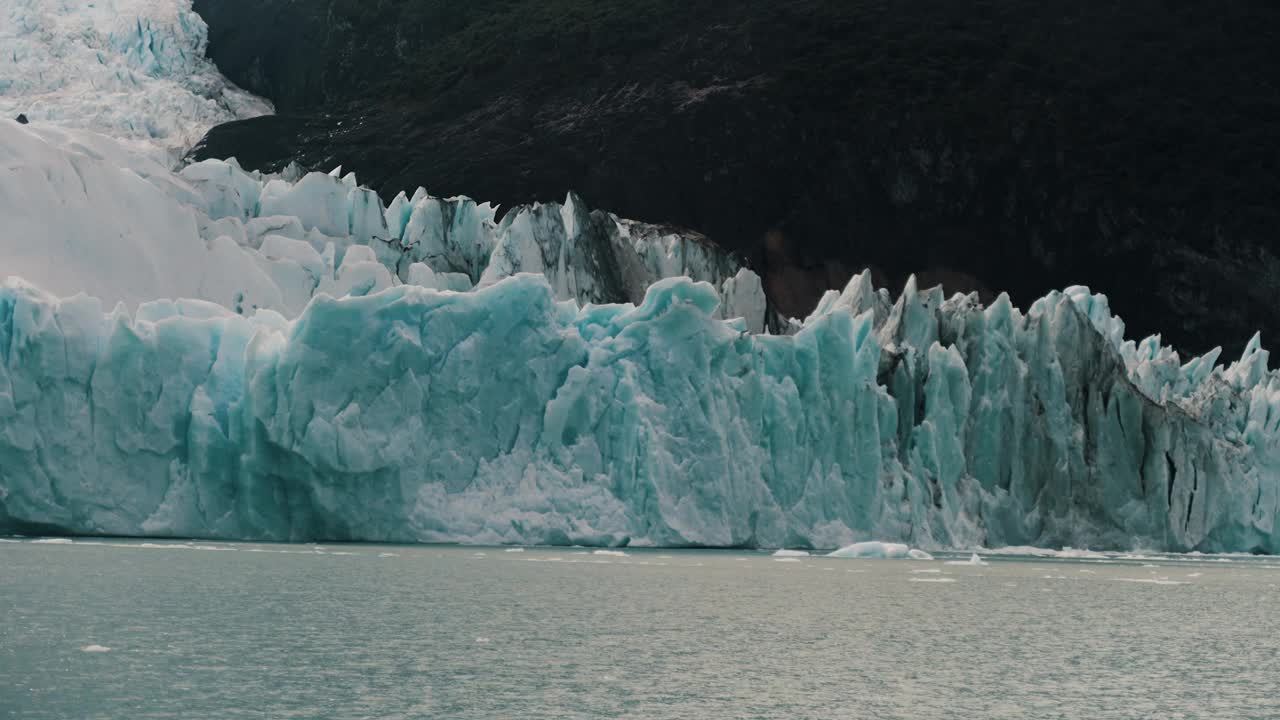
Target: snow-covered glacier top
(130, 69)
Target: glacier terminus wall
(202, 351)
(505, 415)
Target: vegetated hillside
(1015, 145)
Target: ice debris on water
(880, 550)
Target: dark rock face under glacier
(1003, 145)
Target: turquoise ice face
(507, 415)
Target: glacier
(201, 351)
(132, 69)
(88, 213)
(507, 415)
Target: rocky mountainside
(990, 145)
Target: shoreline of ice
(876, 551)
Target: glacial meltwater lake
(134, 630)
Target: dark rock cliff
(991, 145)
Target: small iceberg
(95, 648)
(873, 549)
(791, 553)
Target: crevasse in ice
(508, 415)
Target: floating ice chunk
(95, 649)
(514, 550)
(874, 549)
(791, 553)
(52, 541)
(614, 553)
(932, 580)
(1066, 553)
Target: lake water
(132, 630)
